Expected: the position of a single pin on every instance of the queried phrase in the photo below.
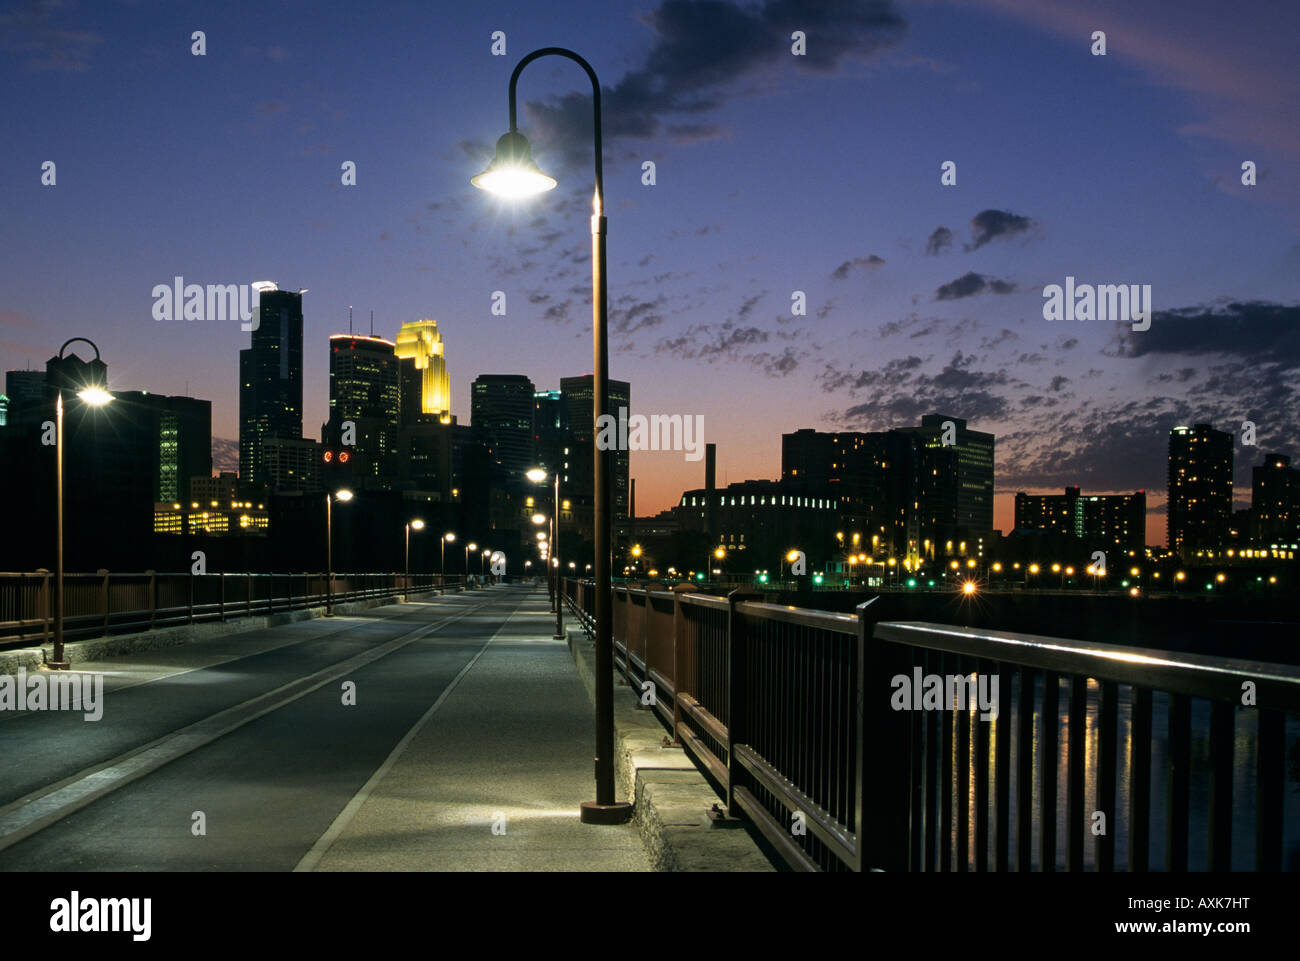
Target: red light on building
(329, 456)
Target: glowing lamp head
(968, 587)
(95, 396)
(449, 537)
(539, 518)
(344, 495)
(536, 475)
(513, 173)
(417, 525)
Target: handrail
(796, 715)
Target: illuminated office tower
(419, 341)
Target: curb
(100, 648)
(671, 798)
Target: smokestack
(710, 483)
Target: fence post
(859, 779)
(191, 608)
(221, 595)
(45, 605)
(153, 597)
(103, 596)
(248, 604)
(679, 655)
(886, 746)
(737, 700)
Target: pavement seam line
(344, 818)
(35, 812)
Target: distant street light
(344, 495)
(92, 394)
(442, 575)
(417, 525)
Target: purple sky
(775, 173)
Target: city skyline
(920, 297)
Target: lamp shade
(513, 172)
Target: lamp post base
(58, 665)
(620, 812)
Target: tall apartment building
(1200, 488)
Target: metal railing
(100, 604)
(808, 722)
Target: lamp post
(513, 173)
(442, 573)
(344, 496)
(537, 476)
(469, 547)
(95, 395)
(418, 525)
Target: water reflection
(1117, 821)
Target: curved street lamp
(514, 173)
(94, 394)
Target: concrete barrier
(101, 648)
(671, 798)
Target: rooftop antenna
(349, 320)
(372, 323)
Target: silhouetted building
(501, 414)
(974, 470)
(1275, 500)
(1200, 488)
(579, 396)
(365, 405)
(757, 522)
(270, 381)
(1105, 522)
(293, 464)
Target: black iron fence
(856, 744)
(104, 603)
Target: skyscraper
(579, 397)
(419, 341)
(1200, 487)
(270, 380)
(501, 413)
(364, 392)
(974, 451)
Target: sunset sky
(775, 173)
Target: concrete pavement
(491, 777)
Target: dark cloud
(702, 51)
(777, 365)
(639, 316)
(938, 241)
(866, 263)
(1267, 332)
(989, 225)
(970, 284)
(31, 32)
